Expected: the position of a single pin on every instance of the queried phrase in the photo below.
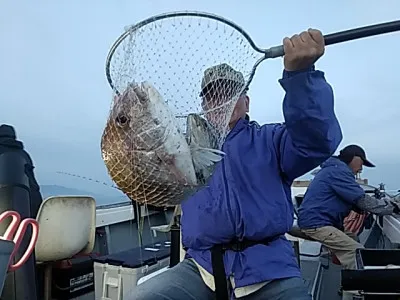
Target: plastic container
(74, 280)
(377, 258)
(116, 275)
(377, 274)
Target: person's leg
(288, 288)
(343, 246)
(182, 282)
(353, 235)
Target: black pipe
(361, 32)
(175, 243)
(344, 36)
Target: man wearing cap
(332, 194)
(220, 86)
(234, 228)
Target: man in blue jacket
(236, 225)
(331, 196)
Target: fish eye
(121, 120)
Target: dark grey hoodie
(9, 143)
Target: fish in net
(158, 151)
(185, 64)
(146, 154)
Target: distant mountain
(54, 190)
(58, 190)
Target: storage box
(378, 273)
(116, 275)
(378, 259)
(73, 280)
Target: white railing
(113, 214)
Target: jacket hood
(7, 131)
(333, 162)
(8, 137)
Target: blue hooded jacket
(249, 194)
(330, 197)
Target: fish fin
(204, 157)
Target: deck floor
(330, 277)
(331, 283)
(308, 271)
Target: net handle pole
(344, 36)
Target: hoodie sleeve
(311, 133)
(380, 207)
(345, 186)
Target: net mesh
(191, 65)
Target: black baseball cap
(355, 150)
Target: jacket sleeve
(380, 207)
(311, 133)
(346, 187)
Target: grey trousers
(343, 245)
(184, 282)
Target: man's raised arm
(311, 132)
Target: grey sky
(55, 93)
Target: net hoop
(159, 17)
